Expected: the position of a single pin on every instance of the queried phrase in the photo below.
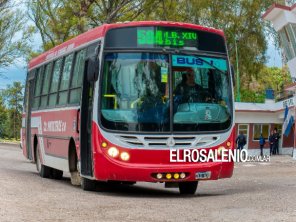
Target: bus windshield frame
(161, 113)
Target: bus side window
(37, 88)
(25, 105)
(77, 78)
(54, 83)
(64, 83)
(45, 85)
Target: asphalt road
(256, 192)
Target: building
(283, 19)
(255, 118)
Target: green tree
(60, 20)
(11, 23)
(13, 96)
(3, 117)
(268, 78)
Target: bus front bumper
(106, 169)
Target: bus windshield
(136, 93)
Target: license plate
(203, 175)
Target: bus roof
(100, 31)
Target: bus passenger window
(54, 83)
(37, 88)
(77, 78)
(64, 85)
(45, 87)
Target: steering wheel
(201, 96)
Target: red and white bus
(104, 107)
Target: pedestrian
(276, 138)
(261, 143)
(270, 141)
(240, 141)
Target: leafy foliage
(251, 96)
(11, 22)
(11, 100)
(60, 20)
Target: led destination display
(167, 37)
(164, 37)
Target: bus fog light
(124, 156)
(182, 175)
(176, 176)
(159, 176)
(113, 152)
(168, 176)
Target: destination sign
(199, 62)
(166, 37)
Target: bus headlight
(124, 156)
(113, 152)
(220, 150)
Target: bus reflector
(124, 156)
(182, 175)
(113, 152)
(176, 176)
(168, 176)
(159, 176)
(228, 144)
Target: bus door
(29, 103)
(86, 110)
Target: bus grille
(180, 141)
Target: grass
(9, 140)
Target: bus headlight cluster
(169, 176)
(114, 153)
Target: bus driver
(188, 89)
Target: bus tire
(188, 187)
(57, 174)
(75, 178)
(44, 171)
(87, 184)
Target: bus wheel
(44, 171)
(87, 184)
(57, 174)
(188, 187)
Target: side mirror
(93, 68)
(93, 63)
(232, 74)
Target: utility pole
(237, 74)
